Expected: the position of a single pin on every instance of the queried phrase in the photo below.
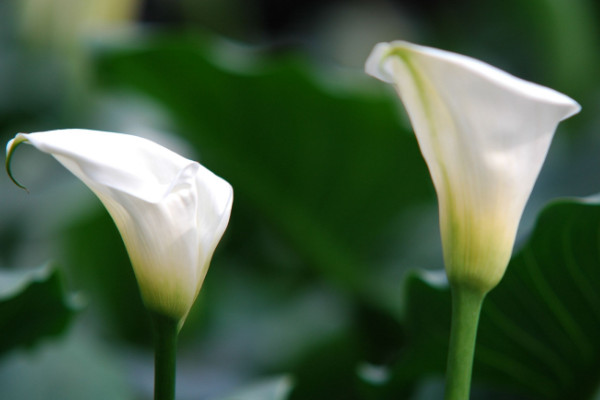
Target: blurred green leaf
(33, 306)
(272, 389)
(99, 264)
(322, 171)
(539, 329)
(329, 168)
(78, 366)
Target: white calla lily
(170, 211)
(484, 135)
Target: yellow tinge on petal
(484, 135)
(478, 248)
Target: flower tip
(10, 149)
(375, 64)
(564, 105)
(574, 108)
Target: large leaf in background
(101, 268)
(33, 306)
(539, 335)
(330, 169)
(324, 176)
(79, 366)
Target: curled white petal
(484, 135)
(170, 211)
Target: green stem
(165, 348)
(466, 306)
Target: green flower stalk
(484, 135)
(171, 213)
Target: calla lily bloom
(170, 211)
(484, 135)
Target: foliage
(33, 306)
(538, 327)
(334, 209)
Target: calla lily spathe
(484, 135)
(170, 211)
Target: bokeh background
(312, 293)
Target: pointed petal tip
(10, 149)
(374, 65)
(566, 107)
(574, 108)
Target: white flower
(484, 135)
(170, 211)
